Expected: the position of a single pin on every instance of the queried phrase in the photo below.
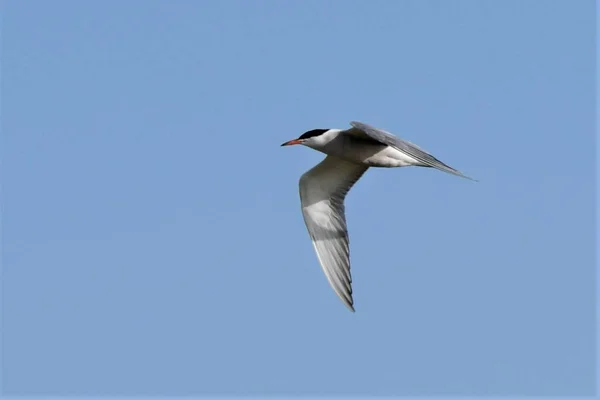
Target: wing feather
(322, 193)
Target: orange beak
(291, 142)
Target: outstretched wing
(322, 193)
(369, 132)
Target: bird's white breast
(368, 153)
(388, 157)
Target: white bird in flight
(323, 188)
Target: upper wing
(366, 131)
(322, 193)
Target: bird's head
(312, 138)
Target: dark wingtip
(468, 177)
(350, 306)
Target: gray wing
(366, 131)
(322, 193)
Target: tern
(323, 188)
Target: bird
(349, 154)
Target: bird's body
(366, 152)
(323, 188)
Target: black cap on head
(313, 133)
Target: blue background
(152, 241)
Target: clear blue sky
(152, 237)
